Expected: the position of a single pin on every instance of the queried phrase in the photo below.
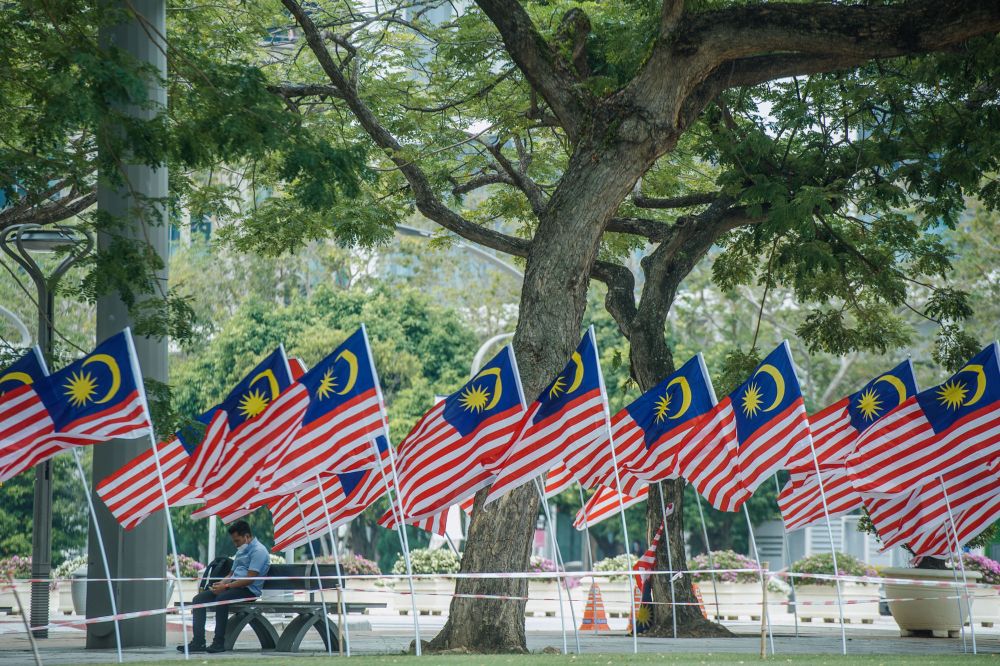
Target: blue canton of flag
(350, 480)
(494, 389)
(99, 383)
(975, 386)
(679, 398)
(771, 389)
(881, 395)
(341, 377)
(580, 376)
(255, 391)
(25, 370)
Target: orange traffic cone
(701, 602)
(594, 617)
(637, 601)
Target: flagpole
(618, 487)
(708, 549)
(833, 550)
(136, 372)
(104, 552)
(760, 567)
(786, 555)
(319, 579)
(401, 532)
(670, 558)
(336, 560)
(961, 564)
(569, 596)
(400, 524)
(555, 560)
(586, 531)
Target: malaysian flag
(648, 560)
(835, 431)
(94, 399)
(557, 480)
(648, 432)
(324, 421)
(932, 433)
(572, 409)
(749, 435)
(133, 492)
(604, 504)
(440, 461)
(346, 495)
(920, 518)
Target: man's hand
(219, 587)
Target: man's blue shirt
(252, 557)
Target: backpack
(216, 570)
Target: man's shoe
(193, 647)
(215, 648)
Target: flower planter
(368, 591)
(186, 590)
(8, 602)
(616, 595)
(543, 600)
(986, 607)
(432, 596)
(820, 602)
(64, 597)
(736, 600)
(926, 609)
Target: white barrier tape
(130, 615)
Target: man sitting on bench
(250, 564)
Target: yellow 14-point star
(752, 400)
(326, 384)
(474, 399)
(869, 404)
(80, 388)
(253, 403)
(952, 394)
(558, 386)
(662, 407)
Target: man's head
(240, 533)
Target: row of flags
(287, 434)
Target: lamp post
(20, 242)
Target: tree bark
(553, 301)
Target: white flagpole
(336, 560)
(618, 487)
(760, 567)
(708, 550)
(569, 594)
(104, 552)
(555, 561)
(786, 555)
(134, 360)
(586, 531)
(961, 564)
(319, 579)
(670, 558)
(400, 523)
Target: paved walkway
(389, 634)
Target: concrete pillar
(142, 551)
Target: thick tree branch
(426, 198)
(670, 16)
(297, 91)
(481, 180)
(655, 231)
(536, 198)
(683, 201)
(547, 73)
(49, 212)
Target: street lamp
(19, 242)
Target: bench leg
(291, 637)
(266, 633)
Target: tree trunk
(553, 300)
(651, 361)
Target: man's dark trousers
(221, 612)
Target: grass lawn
(582, 660)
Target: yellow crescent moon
(578, 375)
(685, 396)
(116, 377)
(272, 381)
(497, 388)
(22, 377)
(980, 383)
(779, 384)
(352, 363)
(896, 383)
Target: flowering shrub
(616, 563)
(352, 565)
(725, 559)
(64, 572)
(428, 561)
(190, 567)
(15, 566)
(822, 563)
(538, 564)
(276, 559)
(984, 565)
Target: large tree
(612, 91)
